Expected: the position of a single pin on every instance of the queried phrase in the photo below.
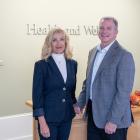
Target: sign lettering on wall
(33, 29)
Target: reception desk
(78, 130)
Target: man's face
(107, 32)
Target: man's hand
(110, 128)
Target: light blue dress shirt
(98, 59)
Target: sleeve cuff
(38, 112)
(114, 120)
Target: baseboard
(27, 137)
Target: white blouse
(61, 64)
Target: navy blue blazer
(51, 96)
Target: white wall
(19, 51)
(16, 127)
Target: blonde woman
(54, 83)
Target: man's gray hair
(111, 18)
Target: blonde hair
(47, 47)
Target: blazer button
(63, 100)
(64, 89)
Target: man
(106, 90)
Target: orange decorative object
(135, 98)
(137, 92)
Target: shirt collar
(106, 48)
(58, 57)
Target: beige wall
(19, 51)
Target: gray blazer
(111, 88)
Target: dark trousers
(58, 131)
(94, 133)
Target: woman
(54, 84)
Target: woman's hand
(44, 129)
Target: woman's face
(58, 43)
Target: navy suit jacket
(52, 97)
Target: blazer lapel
(107, 61)
(56, 69)
(91, 62)
(90, 69)
(68, 70)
